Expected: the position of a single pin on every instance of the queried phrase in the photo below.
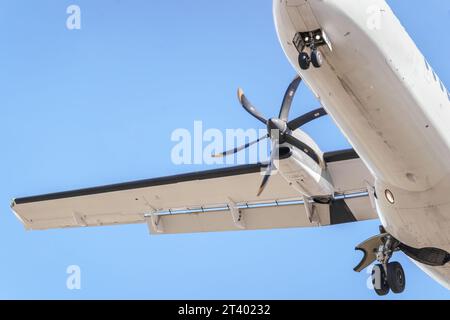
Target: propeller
(279, 130)
(270, 167)
(236, 150)
(306, 118)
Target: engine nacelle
(302, 172)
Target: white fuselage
(389, 103)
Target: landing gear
(396, 277)
(388, 275)
(391, 274)
(312, 41)
(316, 58)
(379, 280)
(304, 61)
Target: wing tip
(24, 222)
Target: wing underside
(216, 200)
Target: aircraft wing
(215, 200)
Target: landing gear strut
(311, 40)
(388, 275)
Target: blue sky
(98, 106)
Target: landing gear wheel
(304, 61)
(379, 280)
(396, 277)
(316, 58)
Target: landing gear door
(369, 248)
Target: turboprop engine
(294, 154)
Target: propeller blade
(273, 157)
(236, 150)
(288, 97)
(306, 118)
(249, 107)
(302, 146)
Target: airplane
(379, 89)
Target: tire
(379, 282)
(304, 61)
(316, 58)
(396, 277)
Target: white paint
(375, 85)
